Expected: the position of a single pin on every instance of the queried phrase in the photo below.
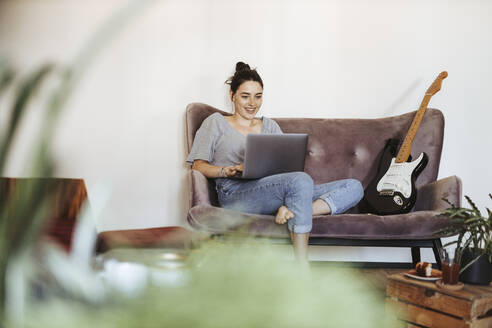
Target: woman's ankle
(300, 245)
(321, 207)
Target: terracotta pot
(480, 272)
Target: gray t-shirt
(220, 144)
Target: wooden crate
(423, 304)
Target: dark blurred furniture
(162, 237)
(63, 200)
(342, 148)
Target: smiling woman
(247, 101)
(218, 152)
(247, 96)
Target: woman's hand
(213, 171)
(232, 171)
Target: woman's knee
(301, 182)
(356, 189)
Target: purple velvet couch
(342, 148)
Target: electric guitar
(393, 191)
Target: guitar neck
(406, 147)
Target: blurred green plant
(22, 216)
(233, 285)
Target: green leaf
(24, 94)
(470, 263)
(467, 243)
(474, 207)
(449, 203)
(6, 75)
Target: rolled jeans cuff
(333, 207)
(295, 228)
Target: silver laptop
(268, 154)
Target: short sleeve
(272, 127)
(204, 142)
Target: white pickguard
(399, 177)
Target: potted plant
(474, 241)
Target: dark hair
(243, 73)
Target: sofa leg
(415, 255)
(436, 245)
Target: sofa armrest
(429, 196)
(200, 189)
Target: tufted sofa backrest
(349, 148)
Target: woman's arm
(213, 171)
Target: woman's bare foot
(283, 215)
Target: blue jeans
(295, 190)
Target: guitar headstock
(436, 85)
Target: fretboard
(406, 147)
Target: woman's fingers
(233, 170)
(230, 171)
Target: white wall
(124, 126)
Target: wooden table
(423, 304)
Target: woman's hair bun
(243, 73)
(240, 66)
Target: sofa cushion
(415, 225)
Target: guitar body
(393, 191)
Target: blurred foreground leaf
(22, 214)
